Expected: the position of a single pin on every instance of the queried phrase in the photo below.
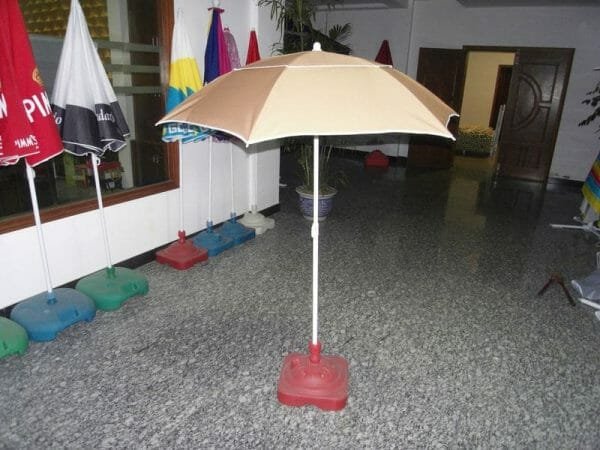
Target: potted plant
(294, 18)
(328, 179)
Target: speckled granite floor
(429, 284)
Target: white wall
(480, 86)
(447, 24)
(74, 244)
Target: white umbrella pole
(210, 151)
(38, 227)
(95, 164)
(315, 238)
(181, 228)
(232, 180)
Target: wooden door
(533, 110)
(442, 71)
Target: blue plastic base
(44, 319)
(237, 232)
(13, 338)
(110, 287)
(212, 242)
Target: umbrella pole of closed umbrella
(95, 161)
(214, 243)
(252, 218)
(181, 254)
(232, 229)
(46, 314)
(314, 379)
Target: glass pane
(126, 33)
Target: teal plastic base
(46, 314)
(111, 287)
(13, 338)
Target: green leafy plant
(329, 179)
(294, 19)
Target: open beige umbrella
(314, 94)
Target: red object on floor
(377, 159)
(313, 379)
(181, 254)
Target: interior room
(442, 284)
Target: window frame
(24, 220)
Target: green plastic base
(110, 287)
(13, 338)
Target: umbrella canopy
(314, 94)
(27, 128)
(320, 94)
(184, 80)
(88, 115)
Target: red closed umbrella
(384, 56)
(253, 52)
(43, 315)
(254, 219)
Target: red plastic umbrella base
(181, 255)
(313, 379)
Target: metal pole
(210, 150)
(232, 180)
(315, 238)
(95, 164)
(180, 146)
(40, 234)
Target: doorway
(533, 106)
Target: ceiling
(395, 4)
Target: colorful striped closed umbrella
(184, 80)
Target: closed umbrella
(91, 123)
(232, 229)
(384, 55)
(43, 315)
(254, 219)
(320, 94)
(184, 80)
(216, 63)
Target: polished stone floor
(428, 289)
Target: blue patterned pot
(306, 203)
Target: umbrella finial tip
(216, 3)
(317, 47)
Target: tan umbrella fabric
(314, 93)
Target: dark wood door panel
(533, 110)
(442, 71)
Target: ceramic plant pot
(306, 203)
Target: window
(133, 38)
